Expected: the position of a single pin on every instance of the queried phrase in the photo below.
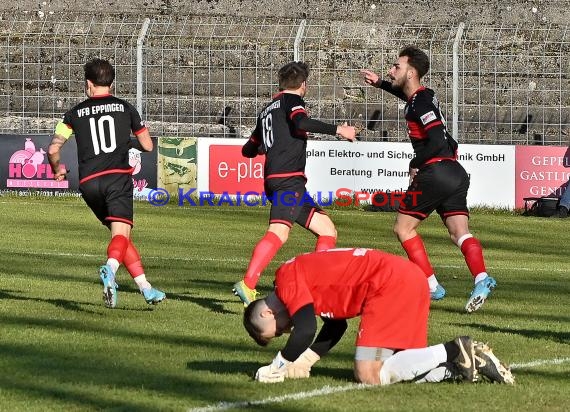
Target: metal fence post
(298, 38)
(455, 86)
(140, 43)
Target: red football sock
(473, 252)
(262, 254)
(416, 251)
(325, 243)
(117, 248)
(132, 261)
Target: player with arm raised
(436, 178)
(102, 126)
(281, 133)
(391, 297)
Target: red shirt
(337, 281)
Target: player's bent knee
(322, 225)
(366, 377)
(367, 372)
(402, 232)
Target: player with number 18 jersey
(281, 134)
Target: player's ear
(267, 313)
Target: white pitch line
(326, 390)
(90, 255)
(541, 362)
(244, 259)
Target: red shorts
(398, 317)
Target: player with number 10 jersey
(102, 126)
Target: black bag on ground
(542, 206)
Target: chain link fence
(209, 75)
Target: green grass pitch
(61, 349)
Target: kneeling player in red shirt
(390, 295)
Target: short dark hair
(100, 72)
(416, 58)
(250, 317)
(292, 75)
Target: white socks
(142, 283)
(481, 276)
(140, 280)
(463, 239)
(441, 373)
(411, 363)
(114, 263)
(432, 282)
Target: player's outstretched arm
(370, 77)
(373, 79)
(347, 132)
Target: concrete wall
(191, 79)
(386, 11)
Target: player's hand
(346, 131)
(413, 173)
(301, 368)
(274, 372)
(60, 174)
(369, 77)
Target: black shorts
(110, 197)
(290, 202)
(440, 186)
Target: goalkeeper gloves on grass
(274, 372)
(301, 368)
(281, 368)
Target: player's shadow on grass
(558, 337)
(212, 304)
(59, 303)
(249, 368)
(555, 376)
(217, 286)
(66, 304)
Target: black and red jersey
(284, 145)
(426, 126)
(102, 126)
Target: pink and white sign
(540, 171)
(29, 168)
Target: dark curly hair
(100, 72)
(292, 75)
(416, 58)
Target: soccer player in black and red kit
(102, 126)
(441, 181)
(281, 134)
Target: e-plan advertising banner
(339, 167)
